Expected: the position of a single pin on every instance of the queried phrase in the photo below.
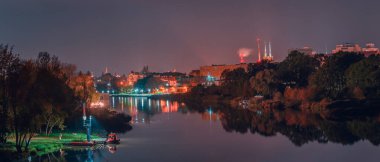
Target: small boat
(85, 143)
(112, 139)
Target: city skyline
(181, 35)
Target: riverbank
(326, 108)
(41, 145)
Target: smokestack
(265, 50)
(270, 50)
(106, 70)
(258, 50)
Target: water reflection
(193, 128)
(300, 128)
(80, 154)
(142, 109)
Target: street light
(87, 123)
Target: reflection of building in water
(210, 115)
(142, 109)
(167, 107)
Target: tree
(24, 106)
(296, 69)
(83, 87)
(52, 92)
(330, 79)
(235, 83)
(51, 118)
(254, 68)
(365, 75)
(149, 82)
(265, 83)
(8, 64)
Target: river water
(171, 131)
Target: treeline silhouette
(301, 81)
(38, 96)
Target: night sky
(125, 35)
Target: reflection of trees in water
(77, 154)
(54, 156)
(300, 128)
(111, 121)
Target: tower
(258, 50)
(265, 51)
(270, 52)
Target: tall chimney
(265, 50)
(270, 50)
(258, 50)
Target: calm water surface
(171, 131)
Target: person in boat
(112, 138)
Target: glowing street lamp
(87, 123)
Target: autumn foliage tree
(83, 86)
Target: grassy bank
(42, 144)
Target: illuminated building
(370, 49)
(170, 80)
(347, 47)
(133, 77)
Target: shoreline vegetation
(337, 86)
(42, 144)
(41, 96)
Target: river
(170, 131)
